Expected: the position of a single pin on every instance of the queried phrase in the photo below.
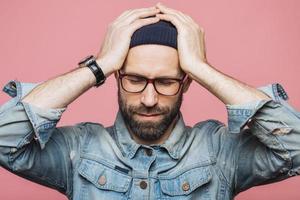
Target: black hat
(161, 32)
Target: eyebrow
(159, 77)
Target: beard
(149, 130)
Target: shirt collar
(129, 147)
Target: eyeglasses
(164, 86)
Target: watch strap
(91, 63)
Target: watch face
(85, 60)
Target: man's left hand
(190, 41)
(192, 58)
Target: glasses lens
(167, 86)
(164, 86)
(133, 83)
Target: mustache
(148, 110)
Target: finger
(127, 12)
(142, 22)
(141, 14)
(171, 18)
(167, 10)
(137, 14)
(192, 21)
(186, 18)
(123, 14)
(189, 18)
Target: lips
(149, 115)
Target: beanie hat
(161, 32)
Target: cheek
(167, 101)
(130, 99)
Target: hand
(116, 43)
(190, 41)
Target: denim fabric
(210, 160)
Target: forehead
(152, 60)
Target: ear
(186, 84)
(116, 76)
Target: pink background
(252, 40)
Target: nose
(149, 96)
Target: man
(149, 153)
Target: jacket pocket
(109, 182)
(186, 183)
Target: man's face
(151, 61)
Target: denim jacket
(208, 161)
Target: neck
(160, 140)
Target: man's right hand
(116, 43)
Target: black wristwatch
(91, 63)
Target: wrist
(203, 73)
(88, 73)
(105, 66)
(194, 68)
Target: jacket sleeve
(269, 149)
(30, 144)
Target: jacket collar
(129, 147)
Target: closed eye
(135, 79)
(165, 82)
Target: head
(151, 60)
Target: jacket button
(148, 152)
(185, 186)
(102, 180)
(143, 185)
